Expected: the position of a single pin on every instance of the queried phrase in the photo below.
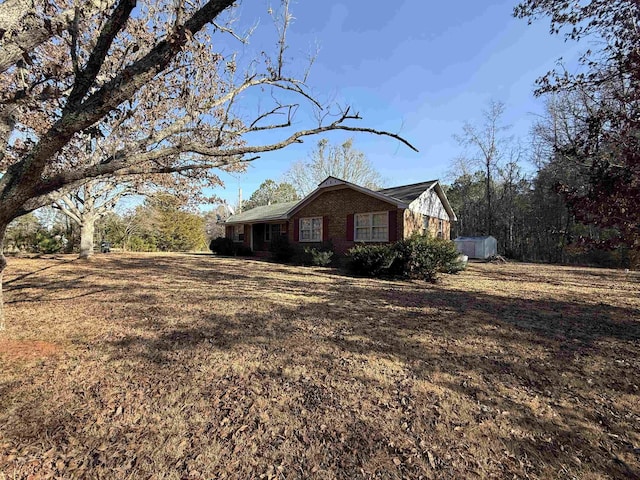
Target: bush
(222, 246)
(229, 248)
(419, 256)
(317, 254)
(47, 243)
(318, 258)
(424, 257)
(138, 244)
(281, 250)
(371, 260)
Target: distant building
(477, 247)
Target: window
(425, 224)
(311, 229)
(371, 227)
(440, 233)
(271, 231)
(238, 233)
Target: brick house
(344, 214)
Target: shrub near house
(226, 247)
(419, 256)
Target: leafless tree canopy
(340, 161)
(109, 89)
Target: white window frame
(311, 238)
(237, 231)
(370, 227)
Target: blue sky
(415, 67)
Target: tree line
(162, 223)
(494, 192)
(582, 202)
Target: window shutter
(325, 228)
(393, 225)
(296, 230)
(350, 227)
(228, 231)
(247, 235)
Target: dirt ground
(192, 366)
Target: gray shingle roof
(404, 194)
(265, 213)
(407, 193)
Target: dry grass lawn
(187, 366)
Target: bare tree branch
(84, 81)
(106, 99)
(18, 41)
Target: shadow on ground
(354, 375)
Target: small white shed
(477, 247)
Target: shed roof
(277, 211)
(408, 193)
(474, 238)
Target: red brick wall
(413, 222)
(337, 205)
(247, 233)
(433, 228)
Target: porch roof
(265, 213)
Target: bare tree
(341, 161)
(88, 204)
(214, 219)
(96, 198)
(487, 147)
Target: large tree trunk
(3, 264)
(87, 229)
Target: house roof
(277, 211)
(408, 193)
(400, 196)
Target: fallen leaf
(432, 460)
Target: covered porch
(257, 228)
(263, 234)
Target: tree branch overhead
(115, 88)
